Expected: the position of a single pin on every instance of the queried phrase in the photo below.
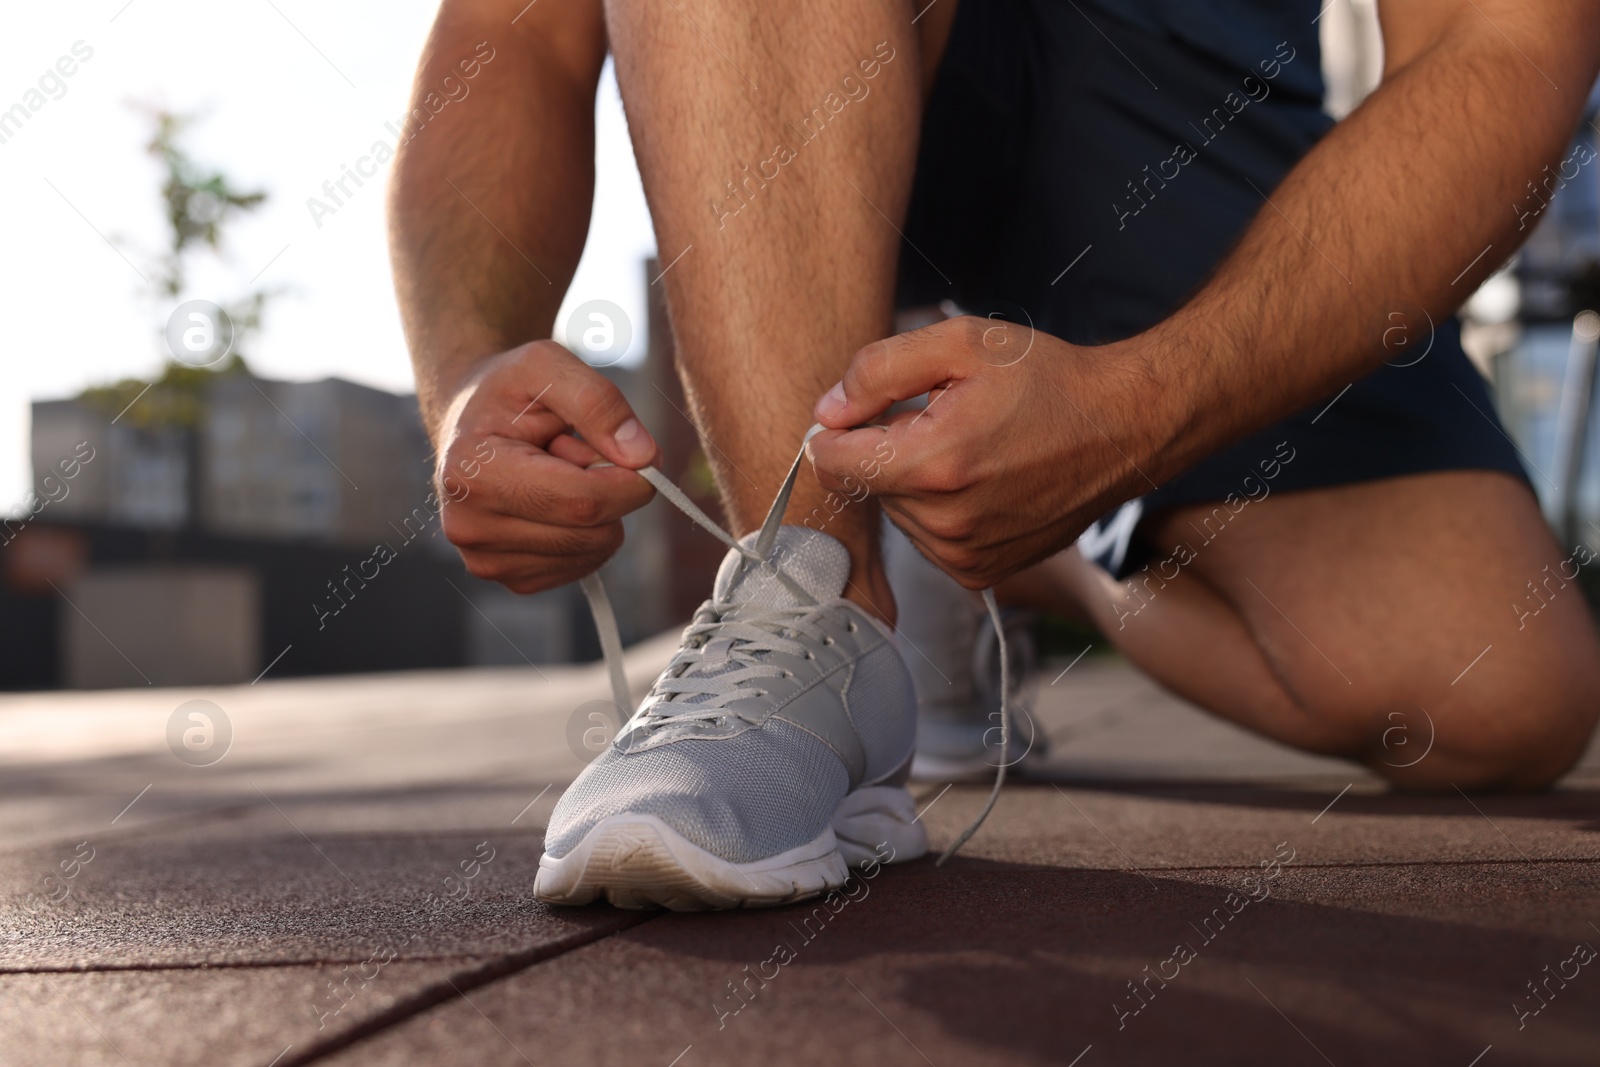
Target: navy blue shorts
(1057, 184)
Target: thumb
(885, 372)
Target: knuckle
(449, 486)
(529, 500)
(943, 475)
(543, 357)
(481, 566)
(577, 548)
(949, 526)
(971, 329)
(459, 528)
(543, 350)
(583, 510)
(596, 398)
(530, 585)
(961, 560)
(867, 369)
(972, 581)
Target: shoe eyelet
(827, 640)
(851, 627)
(811, 655)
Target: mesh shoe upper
(782, 699)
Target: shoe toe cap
(742, 798)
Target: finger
(937, 551)
(525, 483)
(898, 368)
(901, 457)
(596, 408)
(522, 573)
(576, 452)
(960, 560)
(478, 531)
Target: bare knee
(1520, 737)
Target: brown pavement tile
(979, 964)
(244, 1016)
(252, 889)
(1153, 824)
(227, 938)
(360, 730)
(101, 797)
(1402, 932)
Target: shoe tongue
(817, 563)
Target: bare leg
(777, 145)
(1311, 617)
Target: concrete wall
(161, 625)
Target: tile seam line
(1485, 862)
(233, 965)
(441, 992)
(163, 825)
(341, 836)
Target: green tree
(198, 201)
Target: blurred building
(204, 536)
(219, 524)
(329, 461)
(1543, 368)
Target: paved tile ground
(350, 885)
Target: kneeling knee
(1523, 744)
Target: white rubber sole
(638, 861)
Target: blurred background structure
(292, 525)
(1531, 328)
(209, 524)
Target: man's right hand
(516, 492)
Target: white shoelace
(731, 640)
(721, 662)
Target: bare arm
(1408, 204)
(489, 211)
(1384, 215)
(490, 201)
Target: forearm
(1385, 215)
(490, 200)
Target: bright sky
(280, 117)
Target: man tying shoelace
(1176, 412)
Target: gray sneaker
(953, 652)
(767, 759)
